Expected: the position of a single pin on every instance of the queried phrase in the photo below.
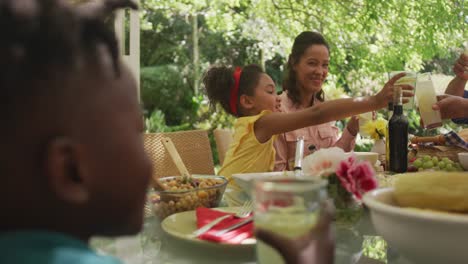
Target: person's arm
(452, 107)
(281, 147)
(277, 123)
(457, 85)
(347, 141)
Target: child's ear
(61, 169)
(246, 102)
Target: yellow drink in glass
(363, 119)
(426, 98)
(287, 207)
(288, 225)
(410, 79)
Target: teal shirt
(41, 247)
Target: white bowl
(245, 180)
(372, 157)
(463, 159)
(420, 235)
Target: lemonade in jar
(426, 98)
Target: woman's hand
(387, 93)
(353, 125)
(315, 247)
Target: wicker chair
(193, 147)
(223, 138)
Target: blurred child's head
(72, 156)
(241, 91)
(307, 66)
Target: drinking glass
(409, 78)
(288, 207)
(363, 119)
(426, 98)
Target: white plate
(181, 225)
(245, 180)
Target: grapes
(427, 162)
(441, 164)
(428, 165)
(417, 163)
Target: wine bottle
(398, 137)
(387, 140)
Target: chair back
(194, 149)
(223, 138)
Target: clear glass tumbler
(426, 98)
(363, 119)
(410, 78)
(288, 207)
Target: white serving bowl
(245, 180)
(463, 159)
(372, 157)
(422, 236)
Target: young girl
(250, 94)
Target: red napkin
(236, 236)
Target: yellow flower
(376, 129)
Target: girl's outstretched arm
(277, 123)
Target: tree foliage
(368, 38)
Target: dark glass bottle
(387, 140)
(398, 138)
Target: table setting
(378, 218)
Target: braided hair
(42, 39)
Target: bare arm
(457, 85)
(347, 141)
(277, 123)
(281, 160)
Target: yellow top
(246, 154)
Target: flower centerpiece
(348, 179)
(377, 130)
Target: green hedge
(165, 88)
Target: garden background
(180, 39)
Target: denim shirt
(41, 247)
(462, 120)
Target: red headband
(235, 90)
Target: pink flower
(323, 162)
(356, 177)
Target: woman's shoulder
(287, 105)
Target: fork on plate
(243, 211)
